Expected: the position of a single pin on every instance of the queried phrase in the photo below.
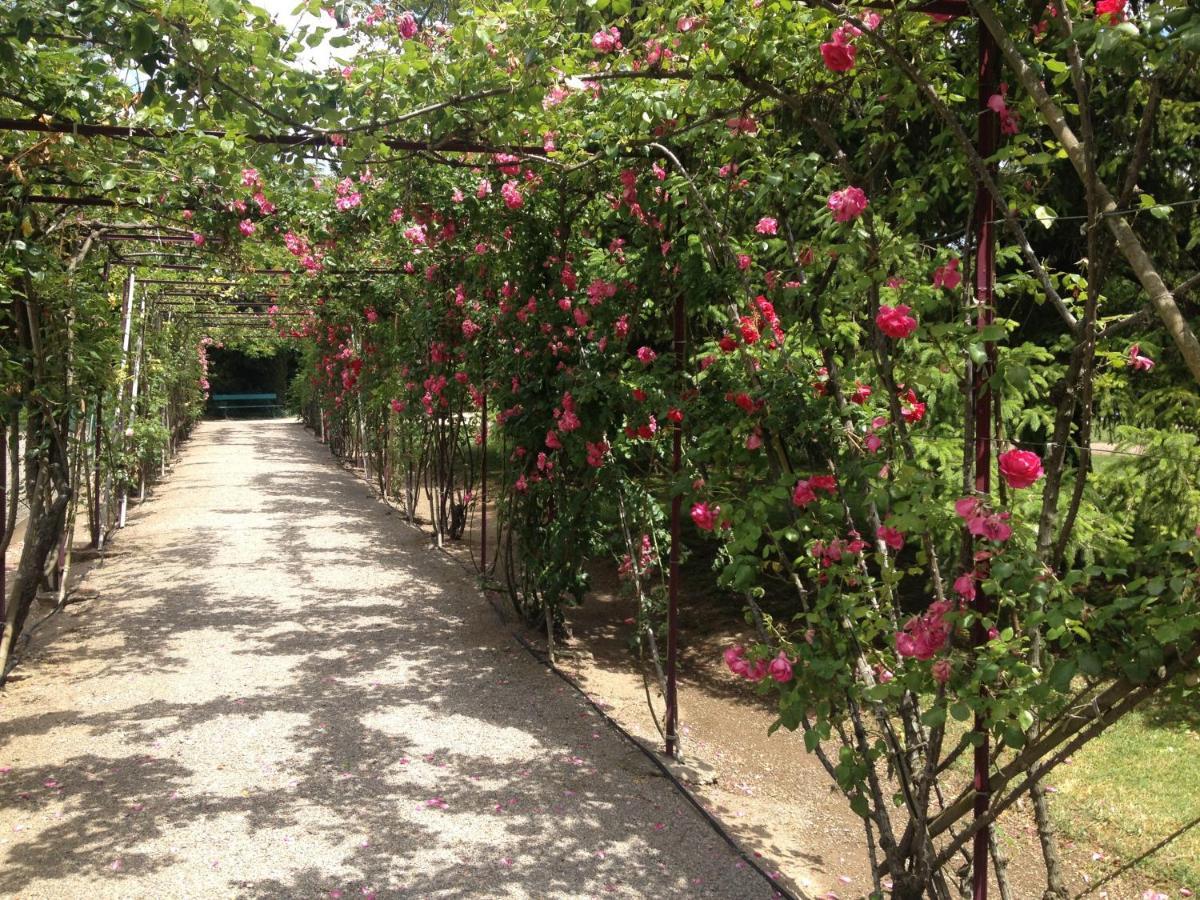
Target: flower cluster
(780, 668)
(923, 636)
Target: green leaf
(859, 804)
(934, 716)
(812, 740)
(201, 44)
(1061, 674)
(1045, 215)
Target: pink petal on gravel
(506, 862)
(659, 826)
(116, 865)
(844, 879)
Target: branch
(1141, 144)
(1074, 731)
(978, 165)
(1127, 240)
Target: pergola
(177, 298)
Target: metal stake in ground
(672, 717)
(985, 280)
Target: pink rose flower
(1138, 362)
(1020, 468)
(780, 668)
(838, 57)
(646, 356)
(895, 321)
(947, 276)
(1110, 12)
(964, 586)
(924, 635)
(705, 515)
(735, 659)
(766, 225)
(847, 204)
(941, 671)
(803, 493)
(511, 193)
(891, 537)
(826, 483)
(607, 41)
(757, 670)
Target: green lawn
(1134, 786)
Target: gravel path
(278, 691)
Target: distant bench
(244, 403)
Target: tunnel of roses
(858, 309)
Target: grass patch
(1132, 787)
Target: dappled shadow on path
(281, 693)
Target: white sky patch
(312, 59)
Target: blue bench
(244, 403)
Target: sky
(316, 58)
